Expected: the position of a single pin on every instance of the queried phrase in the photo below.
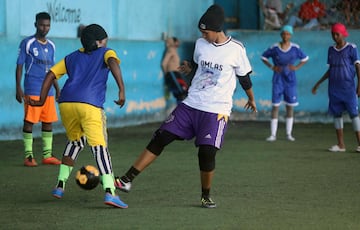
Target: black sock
(130, 175)
(205, 192)
(60, 184)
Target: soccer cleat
(207, 202)
(58, 192)
(51, 161)
(114, 201)
(30, 162)
(271, 138)
(290, 138)
(121, 185)
(358, 149)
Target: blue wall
(315, 44)
(122, 19)
(135, 33)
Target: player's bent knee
(160, 139)
(206, 157)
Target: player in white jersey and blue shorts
(343, 88)
(219, 61)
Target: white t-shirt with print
(213, 85)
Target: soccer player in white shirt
(219, 61)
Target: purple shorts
(187, 123)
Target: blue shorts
(341, 103)
(187, 123)
(288, 92)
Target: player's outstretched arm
(19, 91)
(318, 83)
(116, 72)
(57, 89)
(251, 104)
(185, 67)
(357, 68)
(246, 84)
(48, 82)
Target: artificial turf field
(257, 185)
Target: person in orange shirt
(309, 14)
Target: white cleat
(290, 138)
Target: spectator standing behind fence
(309, 15)
(344, 63)
(174, 80)
(284, 54)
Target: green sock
(47, 138)
(64, 173)
(108, 183)
(28, 144)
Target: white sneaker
(358, 149)
(271, 138)
(290, 138)
(123, 186)
(336, 148)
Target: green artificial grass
(257, 184)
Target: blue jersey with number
(37, 57)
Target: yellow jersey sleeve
(109, 54)
(59, 69)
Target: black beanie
(90, 34)
(213, 19)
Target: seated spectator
(333, 15)
(350, 9)
(274, 13)
(309, 15)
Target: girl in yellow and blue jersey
(81, 106)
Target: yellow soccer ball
(88, 177)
